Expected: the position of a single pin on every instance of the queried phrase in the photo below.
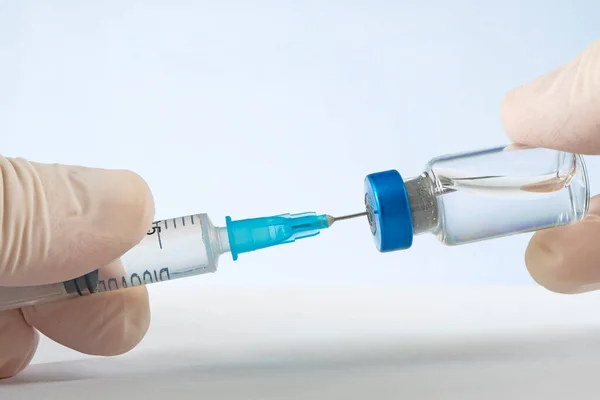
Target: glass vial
(468, 197)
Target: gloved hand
(59, 222)
(561, 110)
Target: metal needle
(344, 217)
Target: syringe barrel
(172, 249)
(479, 195)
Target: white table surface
(305, 343)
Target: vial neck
(423, 203)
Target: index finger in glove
(58, 221)
(559, 110)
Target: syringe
(177, 248)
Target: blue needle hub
(258, 233)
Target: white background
(250, 109)
(258, 108)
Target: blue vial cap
(388, 210)
(258, 233)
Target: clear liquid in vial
(503, 191)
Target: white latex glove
(57, 223)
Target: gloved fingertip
(62, 221)
(18, 343)
(531, 111)
(106, 324)
(558, 110)
(545, 265)
(127, 204)
(565, 259)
